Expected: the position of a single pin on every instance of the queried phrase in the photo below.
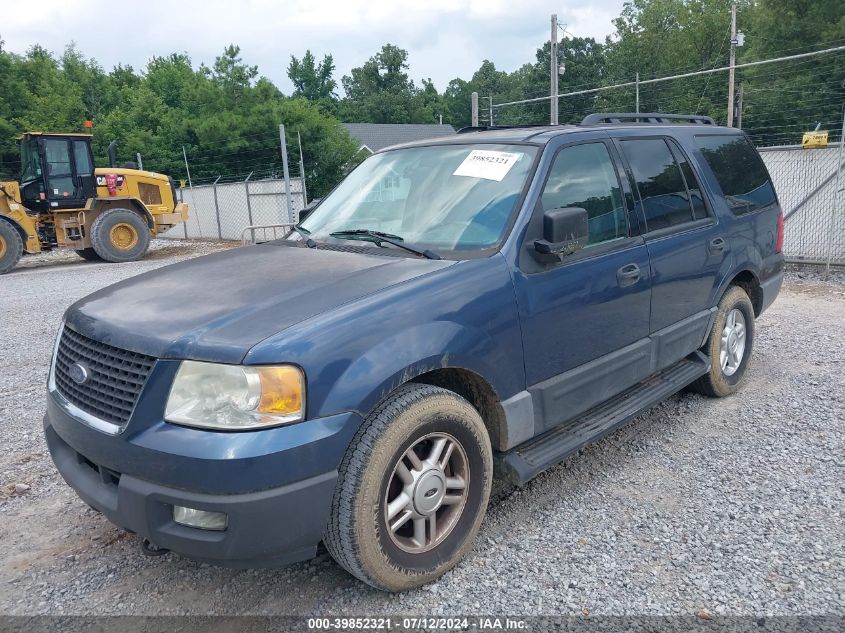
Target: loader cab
(57, 171)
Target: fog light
(200, 518)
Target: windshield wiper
(377, 237)
(305, 233)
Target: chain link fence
(222, 211)
(806, 182)
(809, 186)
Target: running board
(526, 461)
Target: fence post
(285, 171)
(217, 210)
(302, 171)
(185, 223)
(836, 197)
(248, 203)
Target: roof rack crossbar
(619, 118)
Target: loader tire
(88, 254)
(120, 235)
(11, 246)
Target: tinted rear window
(664, 196)
(739, 170)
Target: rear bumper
(771, 289)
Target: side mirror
(306, 211)
(565, 231)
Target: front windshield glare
(446, 197)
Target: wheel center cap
(429, 492)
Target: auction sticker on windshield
(487, 164)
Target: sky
(444, 38)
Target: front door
(65, 188)
(585, 319)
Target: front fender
(415, 351)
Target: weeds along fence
(810, 185)
(222, 211)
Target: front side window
(443, 198)
(739, 171)
(663, 194)
(584, 176)
(30, 160)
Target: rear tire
(11, 246)
(728, 346)
(120, 235)
(412, 489)
(88, 254)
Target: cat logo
(101, 181)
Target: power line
(681, 76)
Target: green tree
(313, 81)
(380, 91)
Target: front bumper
(136, 487)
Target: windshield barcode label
(487, 164)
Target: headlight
(236, 397)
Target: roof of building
(376, 136)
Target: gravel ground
(727, 506)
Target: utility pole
(731, 67)
(739, 108)
(285, 171)
(474, 119)
(491, 110)
(553, 116)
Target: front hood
(217, 307)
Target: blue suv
(485, 303)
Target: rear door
(584, 319)
(689, 251)
(84, 165)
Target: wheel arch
(750, 283)
(17, 226)
(475, 389)
(101, 205)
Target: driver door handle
(628, 275)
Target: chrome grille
(115, 376)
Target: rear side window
(663, 193)
(584, 176)
(739, 171)
(699, 209)
(82, 158)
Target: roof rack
(487, 128)
(617, 118)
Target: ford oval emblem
(78, 373)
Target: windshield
(445, 197)
(30, 161)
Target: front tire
(120, 235)
(88, 254)
(728, 346)
(412, 489)
(11, 246)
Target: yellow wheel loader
(62, 201)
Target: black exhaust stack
(112, 151)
